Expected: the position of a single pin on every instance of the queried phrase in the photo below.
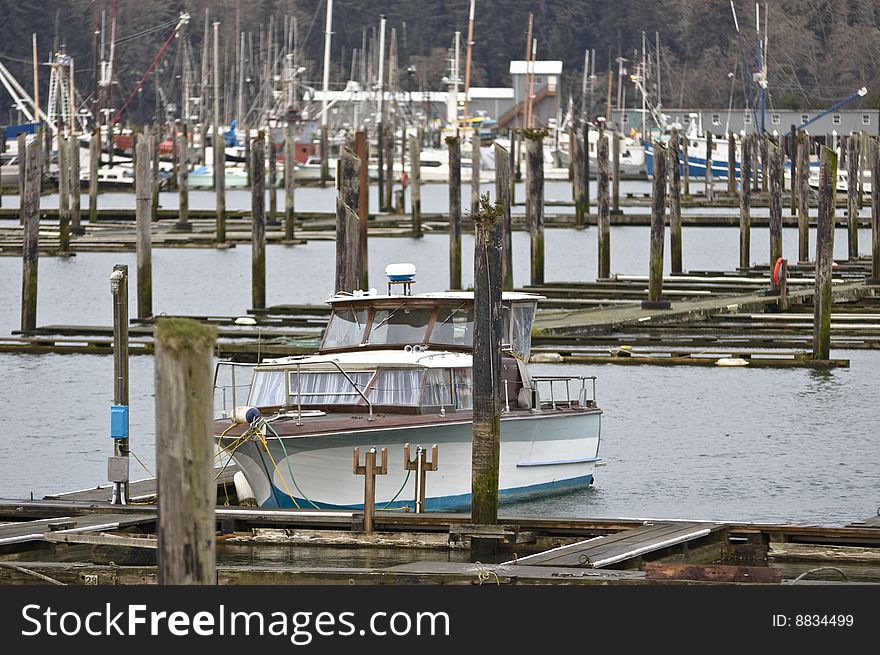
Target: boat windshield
(400, 325)
(346, 328)
(454, 326)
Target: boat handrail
(233, 386)
(344, 374)
(582, 399)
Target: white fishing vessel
(394, 370)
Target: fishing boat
(394, 372)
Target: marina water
(689, 442)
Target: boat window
(454, 326)
(401, 325)
(267, 389)
(396, 386)
(327, 387)
(346, 328)
(521, 330)
(462, 388)
(437, 389)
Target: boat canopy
(441, 321)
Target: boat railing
(232, 387)
(299, 393)
(586, 396)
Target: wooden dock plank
(14, 533)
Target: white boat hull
(541, 454)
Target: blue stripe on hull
(446, 503)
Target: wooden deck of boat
(603, 551)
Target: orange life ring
(776, 271)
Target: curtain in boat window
(327, 387)
(396, 386)
(436, 388)
(521, 329)
(463, 388)
(267, 389)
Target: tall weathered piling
(389, 166)
(272, 178)
(674, 174)
(765, 163)
(347, 225)
(852, 192)
(156, 138)
(30, 211)
(63, 193)
(615, 172)
(475, 171)
(774, 163)
(258, 222)
(486, 430)
(185, 452)
(874, 153)
(415, 193)
(585, 144)
(502, 193)
(514, 164)
(579, 180)
(183, 223)
(802, 175)
(290, 184)
(745, 203)
(822, 299)
(75, 199)
(22, 168)
(658, 211)
(453, 143)
(325, 154)
(380, 168)
(755, 151)
(731, 163)
(686, 166)
(535, 201)
(603, 208)
(710, 180)
(143, 219)
(219, 165)
(362, 150)
(791, 141)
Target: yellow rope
(275, 464)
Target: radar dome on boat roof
(400, 272)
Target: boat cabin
(399, 354)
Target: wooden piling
(156, 138)
(710, 180)
(183, 223)
(325, 155)
(852, 193)
(22, 168)
(774, 164)
(585, 144)
(603, 209)
(486, 430)
(745, 203)
(347, 224)
(185, 452)
(75, 198)
(686, 165)
(475, 171)
(781, 285)
(290, 184)
(674, 174)
(258, 222)
(731, 163)
(874, 153)
(380, 155)
(535, 201)
(802, 145)
(579, 180)
(389, 166)
(362, 150)
(502, 193)
(615, 172)
(514, 163)
(765, 163)
(30, 209)
(143, 219)
(247, 156)
(757, 168)
(63, 194)
(272, 181)
(658, 210)
(94, 162)
(453, 143)
(822, 299)
(415, 193)
(791, 140)
(219, 164)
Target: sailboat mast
(36, 79)
(528, 100)
(470, 45)
(326, 82)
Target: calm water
(725, 443)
